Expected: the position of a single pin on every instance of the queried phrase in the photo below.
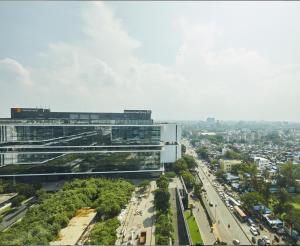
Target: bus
(239, 213)
(233, 202)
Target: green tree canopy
(202, 153)
(162, 182)
(190, 160)
(180, 165)
(188, 179)
(251, 199)
(161, 199)
(292, 217)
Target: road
(221, 213)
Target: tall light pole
(216, 212)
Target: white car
(267, 240)
(253, 231)
(235, 242)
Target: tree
(183, 149)
(144, 184)
(188, 179)
(198, 189)
(16, 201)
(289, 173)
(220, 174)
(251, 199)
(161, 199)
(282, 199)
(41, 195)
(180, 165)
(162, 182)
(265, 191)
(164, 226)
(190, 160)
(235, 169)
(202, 153)
(230, 154)
(292, 217)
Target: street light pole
(216, 212)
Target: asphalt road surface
(222, 215)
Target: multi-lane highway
(226, 226)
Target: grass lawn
(193, 227)
(296, 205)
(295, 201)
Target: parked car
(210, 204)
(235, 242)
(253, 231)
(280, 231)
(261, 242)
(253, 239)
(250, 221)
(267, 240)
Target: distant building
(36, 141)
(210, 120)
(226, 165)
(261, 162)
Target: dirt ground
(71, 234)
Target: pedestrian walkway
(203, 224)
(174, 215)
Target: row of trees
(183, 167)
(163, 225)
(42, 222)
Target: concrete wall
(183, 231)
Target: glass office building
(40, 142)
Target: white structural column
(170, 137)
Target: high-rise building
(36, 141)
(210, 120)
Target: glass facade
(40, 144)
(87, 163)
(37, 141)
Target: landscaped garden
(42, 222)
(193, 228)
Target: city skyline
(231, 61)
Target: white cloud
(12, 72)
(100, 72)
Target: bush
(42, 222)
(16, 201)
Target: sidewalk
(204, 227)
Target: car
(253, 239)
(236, 242)
(210, 204)
(261, 242)
(253, 231)
(280, 231)
(267, 240)
(250, 221)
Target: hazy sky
(182, 60)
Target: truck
(142, 239)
